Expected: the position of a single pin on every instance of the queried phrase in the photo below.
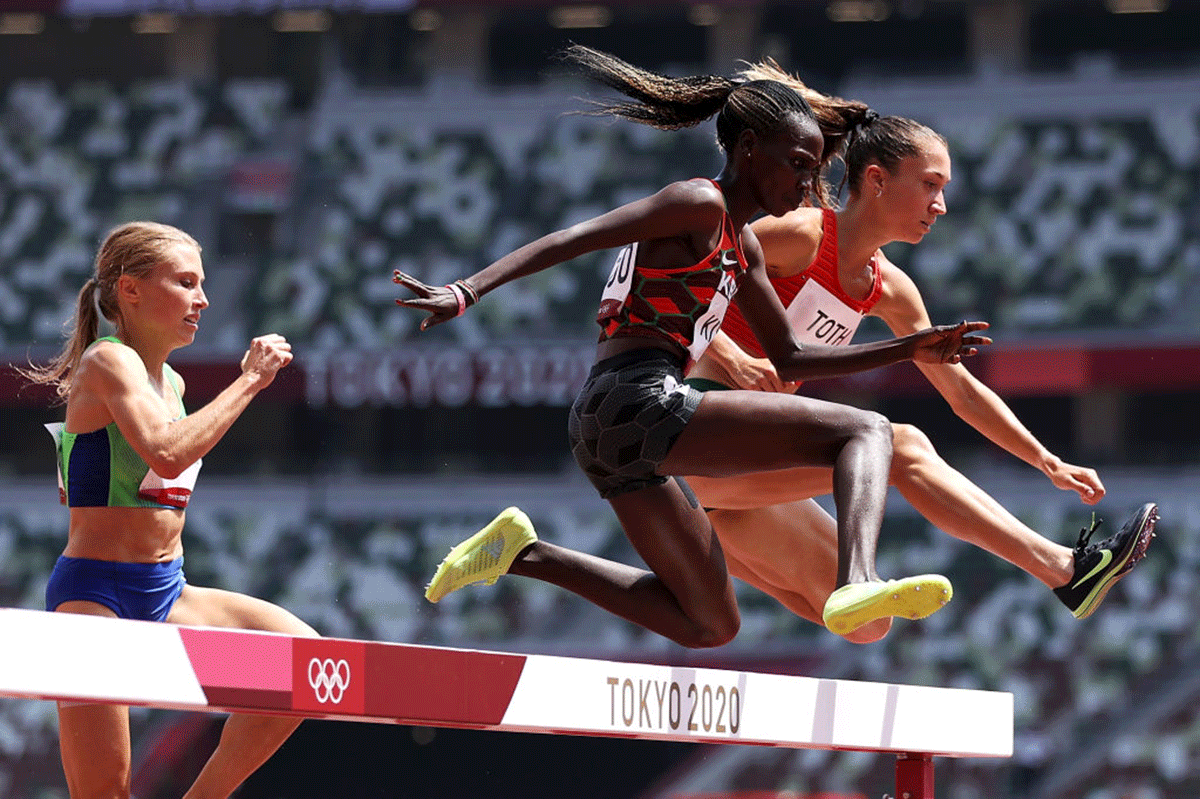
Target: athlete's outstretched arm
(903, 310)
(764, 312)
(744, 370)
(678, 209)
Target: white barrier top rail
(73, 657)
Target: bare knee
(874, 427)
(870, 632)
(94, 742)
(270, 617)
(303, 629)
(911, 448)
(910, 443)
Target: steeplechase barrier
(60, 656)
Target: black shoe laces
(1083, 545)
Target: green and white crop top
(99, 469)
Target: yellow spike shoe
(853, 605)
(485, 556)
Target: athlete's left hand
(1080, 479)
(439, 301)
(949, 343)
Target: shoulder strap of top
(173, 379)
(113, 339)
(829, 236)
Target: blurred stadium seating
(1072, 223)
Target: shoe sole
(910, 598)
(437, 589)
(1149, 520)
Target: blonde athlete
(129, 455)
(829, 271)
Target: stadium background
(313, 147)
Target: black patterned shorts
(626, 418)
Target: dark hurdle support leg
(914, 777)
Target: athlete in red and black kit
(633, 406)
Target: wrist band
(458, 295)
(472, 295)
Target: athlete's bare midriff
(127, 535)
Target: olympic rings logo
(329, 679)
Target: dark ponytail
(885, 141)
(670, 103)
(837, 118)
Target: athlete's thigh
(673, 535)
(735, 432)
(214, 607)
(791, 546)
(789, 552)
(94, 738)
(796, 602)
(758, 489)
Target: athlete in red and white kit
(829, 272)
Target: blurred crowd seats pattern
(1072, 224)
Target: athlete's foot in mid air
(485, 556)
(856, 604)
(1099, 566)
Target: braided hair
(670, 103)
(840, 120)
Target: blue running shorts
(144, 591)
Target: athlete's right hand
(266, 356)
(949, 343)
(439, 301)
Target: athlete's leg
(789, 552)
(936, 490)
(944, 496)
(94, 739)
(763, 489)
(247, 740)
(736, 432)
(687, 597)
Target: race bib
(620, 280)
(56, 430)
(817, 316)
(710, 322)
(174, 492)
